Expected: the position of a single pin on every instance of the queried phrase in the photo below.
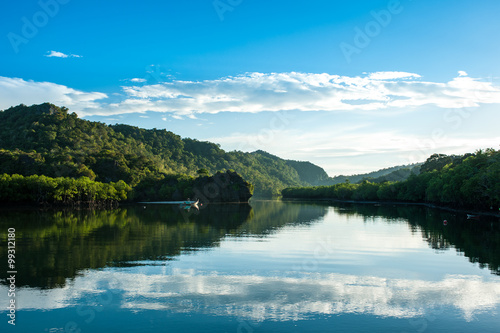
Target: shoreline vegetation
(64, 191)
(465, 182)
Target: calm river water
(265, 267)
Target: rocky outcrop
(226, 186)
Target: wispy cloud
(56, 54)
(138, 80)
(258, 92)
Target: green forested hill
(464, 181)
(307, 172)
(48, 140)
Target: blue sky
(352, 86)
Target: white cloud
(258, 92)
(137, 80)
(56, 54)
(14, 91)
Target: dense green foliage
(18, 189)
(226, 186)
(48, 140)
(62, 190)
(471, 180)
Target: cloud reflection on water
(293, 296)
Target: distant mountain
(49, 140)
(396, 173)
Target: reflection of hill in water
(270, 216)
(54, 246)
(477, 240)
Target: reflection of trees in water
(270, 216)
(56, 245)
(477, 240)
(53, 246)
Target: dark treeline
(226, 186)
(222, 187)
(471, 180)
(48, 140)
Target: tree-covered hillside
(466, 181)
(49, 140)
(308, 172)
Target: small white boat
(189, 204)
(168, 202)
